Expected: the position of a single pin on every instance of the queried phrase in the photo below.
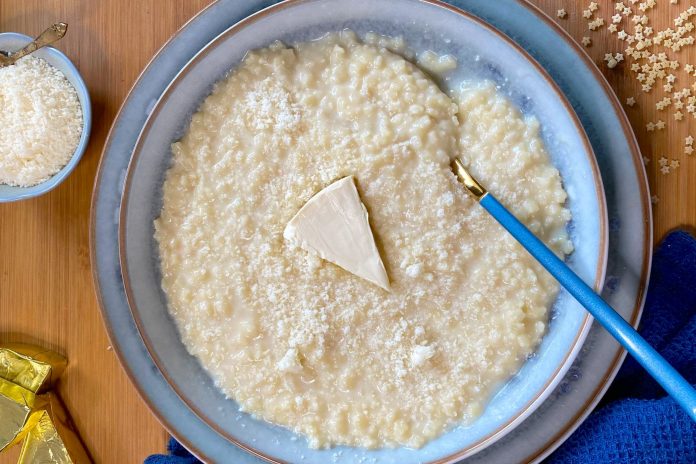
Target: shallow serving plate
(12, 41)
(482, 53)
(626, 189)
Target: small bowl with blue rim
(10, 42)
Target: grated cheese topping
(40, 122)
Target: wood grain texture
(676, 191)
(46, 293)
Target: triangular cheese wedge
(334, 224)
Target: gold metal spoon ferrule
(472, 185)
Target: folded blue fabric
(177, 455)
(636, 422)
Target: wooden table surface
(46, 293)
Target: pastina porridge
(303, 343)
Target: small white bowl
(11, 41)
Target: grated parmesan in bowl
(44, 121)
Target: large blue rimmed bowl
(11, 41)
(483, 53)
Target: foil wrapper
(25, 371)
(16, 407)
(30, 413)
(33, 368)
(51, 437)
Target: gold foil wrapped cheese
(31, 367)
(25, 371)
(29, 414)
(52, 438)
(16, 406)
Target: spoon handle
(47, 37)
(657, 366)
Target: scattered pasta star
(664, 169)
(654, 199)
(674, 164)
(586, 41)
(662, 161)
(689, 150)
(646, 160)
(646, 52)
(561, 13)
(689, 140)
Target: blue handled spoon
(662, 371)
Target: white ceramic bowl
(482, 53)
(11, 41)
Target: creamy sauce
(303, 343)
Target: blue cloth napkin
(636, 422)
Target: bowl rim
(553, 379)
(86, 107)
